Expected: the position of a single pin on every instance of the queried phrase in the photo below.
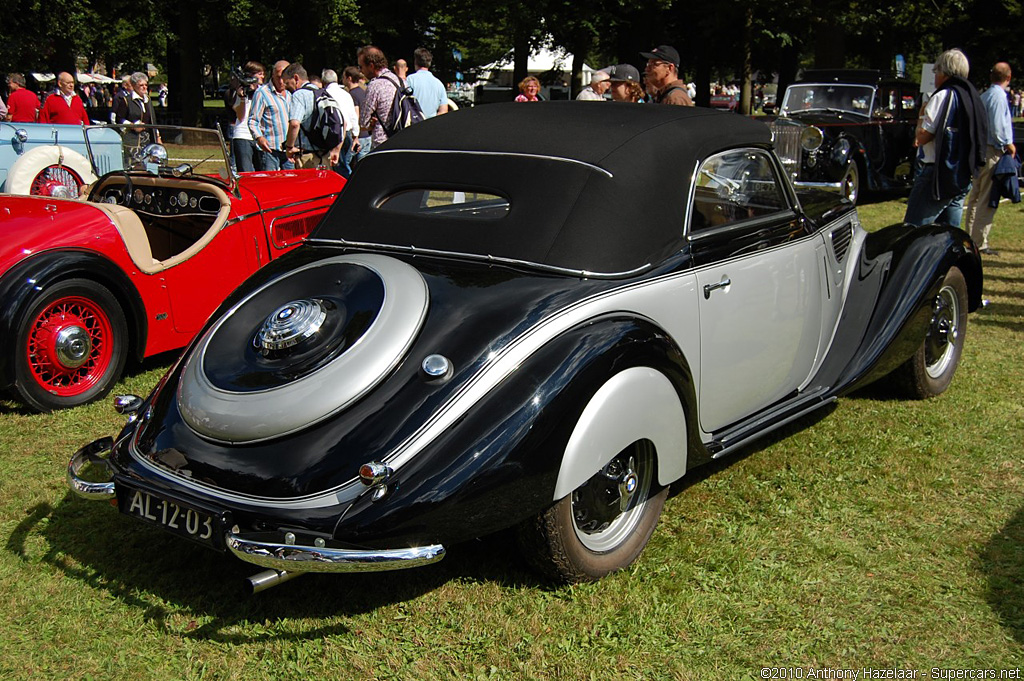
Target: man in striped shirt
(268, 120)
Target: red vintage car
(135, 266)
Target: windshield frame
(211, 141)
(797, 87)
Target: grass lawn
(884, 534)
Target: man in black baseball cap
(662, 73)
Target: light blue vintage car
(55, 160)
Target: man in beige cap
(598, 86)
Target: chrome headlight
(811, 138)
(155, 153)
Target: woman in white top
(243, 148)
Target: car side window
(735, 185)
(464, 204)
(887, 103)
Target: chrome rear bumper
(292, 558)
(90, 454)
(301, 558)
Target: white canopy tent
(95, 78)
(82, 78)
(540, 61)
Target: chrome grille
(841, 238)
(786, 138)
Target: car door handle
(708, 288)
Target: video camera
(241, 83)
(243, 77)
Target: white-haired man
(947, 164)
(599, 84)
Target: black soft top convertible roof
(599, 187)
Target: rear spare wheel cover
(302, 347)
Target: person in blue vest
(951, 135)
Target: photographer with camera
(244, 82)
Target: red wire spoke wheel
(72, 346)
(57, 180)
(69, 345)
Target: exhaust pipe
(269, 578)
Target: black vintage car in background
(848, 131)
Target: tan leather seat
(129, 226)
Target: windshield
(828, 97)
(158, 150)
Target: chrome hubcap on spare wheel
(290, 324)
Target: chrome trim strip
(263, 211)
(506, 361)
(294, 558)
(413, 250)
(79, 460)
(545, 157)
(831, 186)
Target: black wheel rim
(608, 508)
(943, 330)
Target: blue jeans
(243, 153)
(366, 143)
(276, 160)
(343, 168)
(924, 209)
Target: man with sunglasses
(662, 74)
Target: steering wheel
(126, 197)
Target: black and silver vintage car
(848, 131)
(532, 317)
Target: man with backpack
(389, 105)
(313, 133)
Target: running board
(730, 440)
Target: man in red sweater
(22, 104)
(64, 106)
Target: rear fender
(636, 404)
(501, 464)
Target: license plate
(180, 519)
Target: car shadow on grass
(1002, 562)
(163, 576)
